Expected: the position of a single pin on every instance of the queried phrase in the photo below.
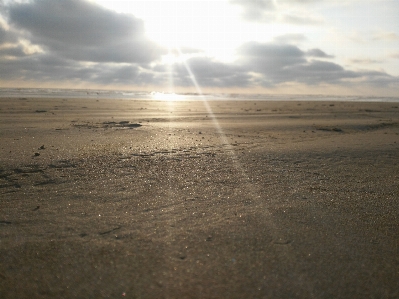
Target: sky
(340, 47)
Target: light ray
(219, 129)
(171, 83)
(204, 101)
(249, 188)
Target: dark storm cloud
(83, 31)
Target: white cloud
(365, 61)
(386, 36)
(255, 10)
(394, 55)
(270, 11)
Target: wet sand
(152, 199)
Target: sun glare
(210, 26)
(169, 97)
(174, 56)
(199, 27)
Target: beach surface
(106, 198)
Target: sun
(194, 25)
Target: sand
(156, 199)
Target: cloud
(110, 74)
(318, 53)
(299, 19)
(6, 35)
(281, 63)
(266, 11)
(365, 61)
(301, 1)
(378, 79)
(78, 42)
(3, 35)
(258, 64)
(290, 38)
(385, 36)
(267, 57)
(255, 10)
(210, 73)
(75, 42)
(270, 65)
(315, 72)
(83, 31)
(54, 69)
(13, 51)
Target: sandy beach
(109, 198)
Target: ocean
(155, 95)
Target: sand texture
(156, 199)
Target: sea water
(156, 95)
